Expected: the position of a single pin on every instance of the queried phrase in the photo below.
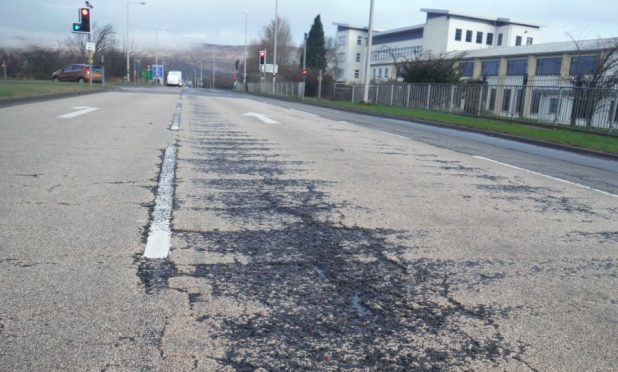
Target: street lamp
(244, 74)
(157, 48)
(368, 55)
(128, 47)
(276, 32)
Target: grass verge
(561, 136)
(15, 89)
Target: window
(553, 106)
(468, 36)
(375, 73)
(343, 40)
(340, 73)
(549, 66)
(518, 101)
(492, 99)
(499, 39)
(358, 56)
(506, 100)
(388, 55)
(490, 39)
(490, 68)
(518, 40)
(359, 40)
(479, 37)
(380, 73)
(536, 102)
(517, 67)
(529, 41)
(356, 74)
(466, 68)
(458, 33)
(386, 75)
(583, 65)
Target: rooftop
(476, 17)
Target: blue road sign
(157, 71)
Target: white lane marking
(263, 118)
(343, 122)
(547, 176)
(160, 235)
(394, 135)
(176, 122)
(82, 110)
(304, 113)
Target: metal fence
(544, 101)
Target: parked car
(79, 73)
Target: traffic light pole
(305, 65)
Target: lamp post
(275, 53)
(214, 56)
(157, 47)
(128, 47)
(244, 74)
(201, 83)
(368, 54)
(305, 65)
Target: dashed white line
(547, 176)
(263, 118)
(160, 235)
(394, 135)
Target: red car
(79, 73)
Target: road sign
(269, 68)
(157, 71)
(90, 47)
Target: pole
(368, 54)
(103, 70)
(201, 74)
(275, 53)
(156, 52)
(305, 65)
(244, 80)
(128, 49)
(213, 67)
(4, 67)
(90, 55)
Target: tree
(430, 69)
(591, 88)
(316, 46)
(104, 39)
(286, 52)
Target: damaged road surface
(317, 244)
(281, 239)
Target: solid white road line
(263, 118)
(176, 122)
(547, 176)
(82, 110)
(160, 235)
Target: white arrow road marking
(82, 110)
(263, 118)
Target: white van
(174, 79)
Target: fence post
(480, 97)
(408, 96)
(377, 93)
(559, 107)
(352, 93)
(450, 106)
(392, 93)
(428, 95)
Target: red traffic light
(262, 53)
(85, 12)
(304, 72)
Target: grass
(562, 136)
(15, 89)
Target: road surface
(300, 238)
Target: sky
(46, 22)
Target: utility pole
(305, 65)
(368, 54)
(214, 56)
(4, 68)
(201, 74)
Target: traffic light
(84, 21)
(262, 56)
(237, 63)
(304, 72)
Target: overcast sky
(45, 22)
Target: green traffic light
(76, 26)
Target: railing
(543, 102)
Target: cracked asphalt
(314, 244)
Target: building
(444, 31)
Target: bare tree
(286, 51)
(591, 88)
(104, 39)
